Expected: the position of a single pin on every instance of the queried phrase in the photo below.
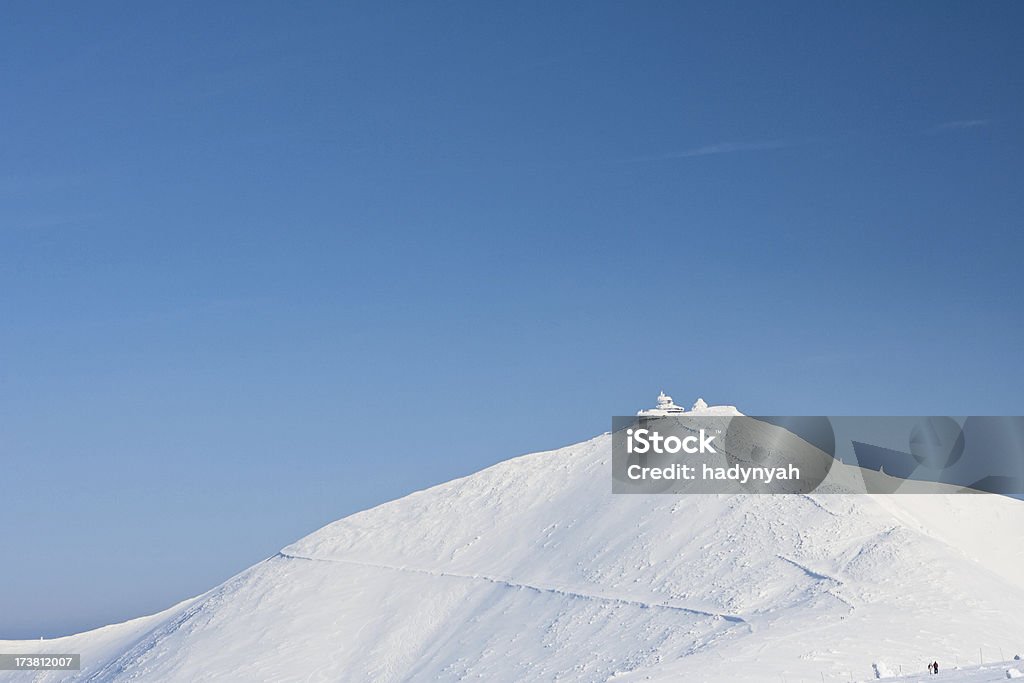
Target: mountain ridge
(532, 569)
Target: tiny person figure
(935, 666)
(930, 668)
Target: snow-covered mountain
(532, 570)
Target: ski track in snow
(731, 618)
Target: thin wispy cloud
(717, 148)
(958, 125)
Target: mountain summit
(533, 570)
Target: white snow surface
(531, 570)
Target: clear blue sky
(266, 264)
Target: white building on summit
(666, 407)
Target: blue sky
(266, 264)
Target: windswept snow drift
(533, 570)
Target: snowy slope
(533, 570)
